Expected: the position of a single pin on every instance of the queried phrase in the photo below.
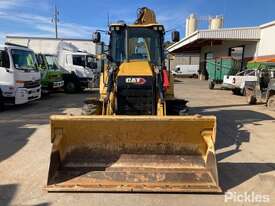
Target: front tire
(1, 106)
(70, 87)
(236, 91)
(251, 99)
(211, 85)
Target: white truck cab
(19, 75)
(79, 67)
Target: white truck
(19, 75)
(79, 67)
(237, 82)
(186, 70)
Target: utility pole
(55, 20)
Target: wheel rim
(70, 87)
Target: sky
(79, 18)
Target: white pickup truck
(19, 75)
(237, 82)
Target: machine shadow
(231, 131)
(8, 192)
(15, 131)
(230, 126)
(233, 174)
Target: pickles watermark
(246, 197)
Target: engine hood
(135, 68)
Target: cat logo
(138, 81)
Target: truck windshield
(23, 60)
(79, 60)
(52, 62)
(143, 44)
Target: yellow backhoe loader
(135, 141)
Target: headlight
(11, 88)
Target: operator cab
(137, 43)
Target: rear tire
(235, 91)
(1, 106)
(211, 85)
(271, 103)
(70, 87)
(243, 92)
(251, 99)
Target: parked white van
(186, 70)
(19, 75)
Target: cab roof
(2, 47)
(135, 25)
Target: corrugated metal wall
(240, 34)
(184, 59)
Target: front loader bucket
(133, 153)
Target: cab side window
(4, 59)
(40, 62)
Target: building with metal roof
(244, 43)
(202, 38)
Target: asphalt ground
(245, 152)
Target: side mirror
(92, 65)
(39, 59)
(175, 36)
(4, 60)
(96, 38)
(104, 56)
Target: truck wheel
(251, 99)
(1, 102)
(235, 91)
(271, 103)
(211, 85)
(70, 87)
(243, 92)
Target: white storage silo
(191, 25)
(216, 22)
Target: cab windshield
(52, 62)
(83, 60)
(79, 60)
(23, 60)
(142, 44)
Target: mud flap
(133, 153)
